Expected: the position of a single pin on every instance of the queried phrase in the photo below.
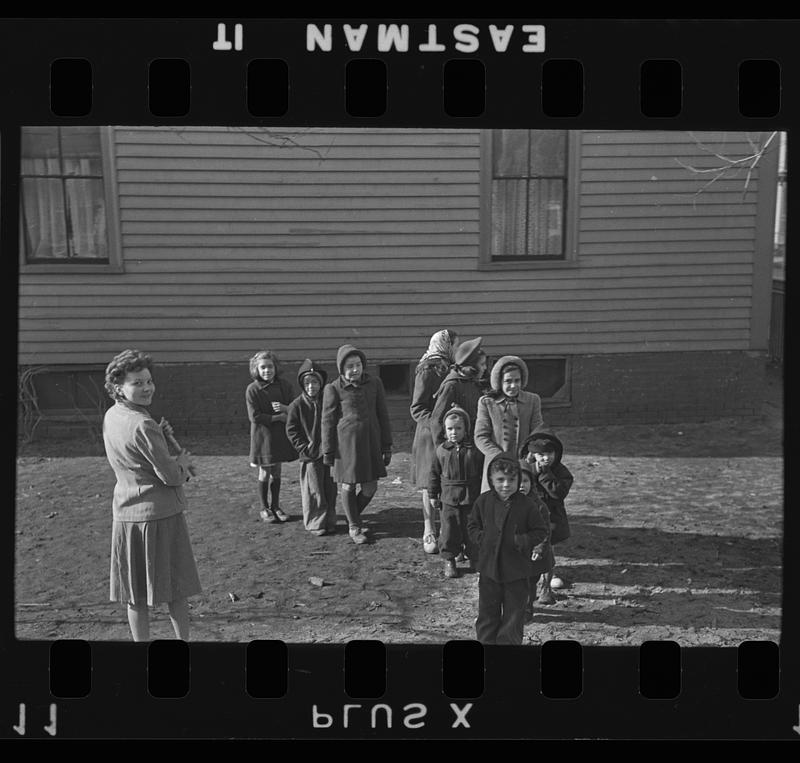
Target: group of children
(498, 488)
(340, 431)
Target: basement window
(395, 378)
(550, 379)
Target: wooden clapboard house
(632, 270)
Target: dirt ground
(676, 534)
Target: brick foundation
(661, 387)
(637, 388)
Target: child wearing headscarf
(433, 366)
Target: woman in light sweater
(151, 555)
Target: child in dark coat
(552, 480)
(542, 557)
(304, 430)
(267, 398)
(461, 387)
(506, 526)
(356, 435)
(455, 483)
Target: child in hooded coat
(455, 483)
(356, 434)
(506, 526)
(542, 559)
(552, 481)
(508, 414)
(461, 387)
(304, 430)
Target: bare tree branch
(730, 165)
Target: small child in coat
(542, 557)
(267, 399)
(455, 483)
(304, 430)
(552, 480)
(356, 434)
(460, 388)
(506, 526)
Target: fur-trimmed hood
(504, 361)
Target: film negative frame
(608, 74)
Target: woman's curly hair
(121, 365)
(260, 355)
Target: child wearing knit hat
(455, 483)
(304, 430)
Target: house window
(529, 183)
(67, 208)
(550, 379)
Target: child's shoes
(319, 533)
(357, 535)
(280, 515)
(557, 583)
(429, 544)
(462, 557)
(268, 516)
(450, 569)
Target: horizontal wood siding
(300, 241)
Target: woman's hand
(277, 408)
(387, 458)
(184, 459)
(166, 427)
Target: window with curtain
(528, 194)
(63, 202)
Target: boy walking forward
(455, 483)
(505, 525)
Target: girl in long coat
(431, 370)
(267, 399)
(356, 435)
(508, 414)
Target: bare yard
(676, 534)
